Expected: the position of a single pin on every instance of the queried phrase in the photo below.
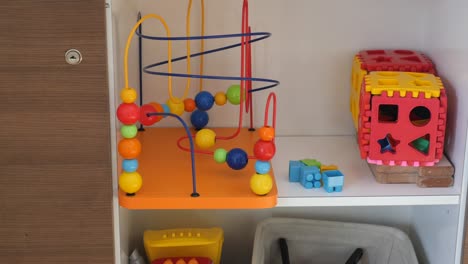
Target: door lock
(73, 57)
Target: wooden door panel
(55, 168)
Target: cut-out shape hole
(421, 83)
(416, 75)
(388, 144)
(421, 144)
(383, 59)
(420, 116)
(388, 113)
(375, 52)
(387, 74)
(388, 82)
(404, 52)
(412, 59)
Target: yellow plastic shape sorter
(357, 76)
(403, 82)
(189, 242)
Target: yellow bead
(130, 182)
(220, 98)
(128, 95)
(205, 138)
(261, 184)
(176, 106)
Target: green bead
(220, 155)
(129, 131)
(233, 94)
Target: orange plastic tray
(167, 178)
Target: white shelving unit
(310, 52)
(361, 187)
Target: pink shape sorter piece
(406, 131)
(395, 60)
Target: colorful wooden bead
(128, 113)
(262, 167)
(129, 148)
(130, 182)
(220, 155)
(261, 184)
(264, 150)
(266, 133)
(205, 138)
(130, 165)
(199, 119)
(128, 95)
(129, 131)
(149, 120)
(233, 94)
(159, 108)
(237, 159)
(189, 105)
(176, 106)
(220, 98)
(204, 100)
(166, 109)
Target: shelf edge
(367, 201)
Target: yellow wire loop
(169, 48)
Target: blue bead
(237, 159)
(262, 167)
(166, 109)
(130, 165)
(204, 100)
(199, 119)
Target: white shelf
(360, 187)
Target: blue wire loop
(148, 69)
(259, 36)
(192, 148)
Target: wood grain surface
(55, 168)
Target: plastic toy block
(311, 162)
(333, 181)
(328, 167)
(405, 130)
(395, 60)
(295, 170)
(403, 83)
(310, 177)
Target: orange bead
(159, 109)
(129, 148)
(189, 105)
(266, 133)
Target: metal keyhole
(73, 57)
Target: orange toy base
(167, 178)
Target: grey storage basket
(325, 242)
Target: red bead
(264, 150)
(150, 108)
(128, 113)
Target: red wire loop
(271, 96)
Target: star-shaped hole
(388, 144)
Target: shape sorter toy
(384, 60)
(401, 116)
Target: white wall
(310, 52)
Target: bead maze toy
(399, 108)
(184, 246)
(155, 161)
